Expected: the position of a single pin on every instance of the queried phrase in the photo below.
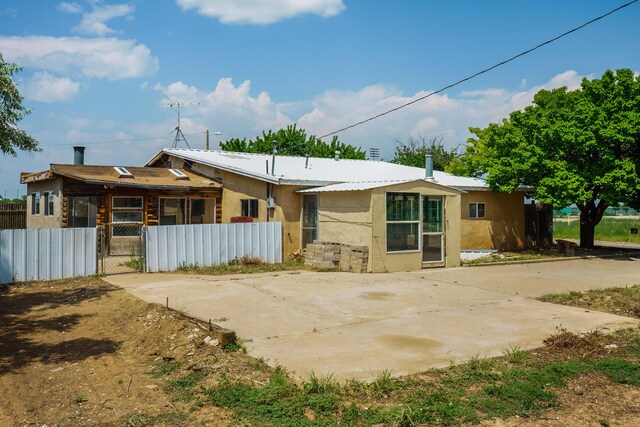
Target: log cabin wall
(151, 198)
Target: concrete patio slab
(354, 326)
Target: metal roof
(359, 186)
(316, 171)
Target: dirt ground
(79, 353)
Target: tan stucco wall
(503, 226)
(42, 221)
(237, 187)
(345, 217)
(381, 261)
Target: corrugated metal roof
(360, 186)
(145, 177)
(316, 171)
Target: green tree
(11, 112)
(579, 147)
(293, 141)
(413, 152)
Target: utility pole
(206, 144)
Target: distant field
(614, 229)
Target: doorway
(432, 229)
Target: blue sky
(96, 72)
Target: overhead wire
(486, 70)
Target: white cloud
(227, 106)
(44, 87)
(67, 7)
(107, 58)
(95, 21)
(261, 11)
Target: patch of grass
(244, 265)
(624, 301)
(235, 346)
(142, 419)
(163, 368)
(183, 388)
(613, 229)
(385, 383)
(515, 354)
(135, 262)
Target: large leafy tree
(293, 141)
(413, 152)
(579, 147)
(11, 112)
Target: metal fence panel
(170, 246)
(47, 254)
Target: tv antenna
(175, 106)
(374, 153)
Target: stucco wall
(40, 220)
(503, 226)
(381, 261)
(345, 217)
(237, 187)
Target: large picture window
(203, 211)
(403, 222)
(83, 212)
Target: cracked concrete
(355, 326)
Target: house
(124, 197)
(409, 218)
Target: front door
(432, 229)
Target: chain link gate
(121, 248)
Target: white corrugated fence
(170, 246)
(47, 254)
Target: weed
(317, 385)
(135, 262)
(515, 354)
(232, 347)
(260, 365)
(163, 368)
(138, 419)
(384, 382)
(77, 399)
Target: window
(432, 228)
(83, 212)
(35, 203)
(249, 207)
(309, 219)
(476, 210)
(48, 203)
(403, 222)
(203, 211)
(125, 209)
(122, 171)
(172, 211)
(179, 174)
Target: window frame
(204, 199)
(48, 203)
(249, 212)
(35, 203)
(187, 219)
(477, 204)
(115, 209)
(417, 221)
(302, 226)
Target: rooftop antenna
(175, 106)
(374, 153)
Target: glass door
(309, 219)
(432, 229)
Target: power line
(119, 140)
(486, 70)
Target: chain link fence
(121, 248)
(617, 229)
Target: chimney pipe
(428, 167)
(78, 155)
(306, 162)
(337, 155)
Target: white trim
(122, 171)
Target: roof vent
(123, 172)
(178, 173)
(428, 168)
